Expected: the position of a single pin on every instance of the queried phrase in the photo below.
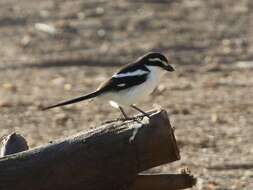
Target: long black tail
(75, 100)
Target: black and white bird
(130, 85)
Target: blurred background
(53, 50)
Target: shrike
(130, 85)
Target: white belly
(137, 93)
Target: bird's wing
(127, 77)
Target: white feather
(135, 73)
(114, 104)
(157, 59)
(121, 85)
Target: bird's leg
(135, 131)
(138, 109)
(120, 119)
(124, 113)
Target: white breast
(137, 93)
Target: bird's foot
(141, 111)
(141, 116)
(127, 119)
(137, 118)
(120, 119)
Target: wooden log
(163, 182)
(105, 158)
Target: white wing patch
(114, 104)
(121, 85)
(128, 74)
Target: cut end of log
(160, 145)
(161, 118)
(12, 143)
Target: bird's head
(156, 59)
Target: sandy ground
(55, 50)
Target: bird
(130, 85)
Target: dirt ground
(55, 50)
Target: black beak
(169, 68)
